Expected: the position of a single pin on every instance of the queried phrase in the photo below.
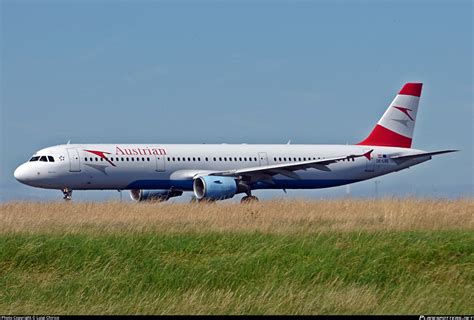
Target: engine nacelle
(154, 195)
(214, 187)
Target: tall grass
(267, 216)
(277, 257)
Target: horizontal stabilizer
(419, 155)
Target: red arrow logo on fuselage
(101, 154)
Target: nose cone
(21, 174)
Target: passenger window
(101, 159)
(126, 158)
(199, 159)
(220, 159)
(214, 158)
(245, 159)
(147, 159)
(85, 159)
(133, 159)
(207, 159)
(96, 159)
(169, 159)
(43, 158)
(194, 159)
(240, 159)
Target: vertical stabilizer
(395, 128)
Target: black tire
(249, 199)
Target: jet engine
(154, 195)
(214, 187)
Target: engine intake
(214, 187)
(154, 195)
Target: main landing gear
(67, 194)
(249, 199)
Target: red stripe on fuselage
(381, 136)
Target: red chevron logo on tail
(405, 111)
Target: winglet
(368, 154)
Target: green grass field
(90, 270)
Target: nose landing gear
(67, 194)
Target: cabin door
(74, 162)
(263, 158)
(160, 163)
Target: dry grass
(294, 216)
(402, 256)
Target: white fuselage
(220, 171)
(174, 166)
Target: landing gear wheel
(67, 194)
(249, 199)
(204, 200)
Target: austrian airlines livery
(220, 171)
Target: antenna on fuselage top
(289, 142)
(69, 141)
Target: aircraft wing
(287, 169)
(400, 159)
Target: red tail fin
(395, 128)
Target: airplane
(221, 171)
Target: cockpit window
(34, 159)
(44, 159)
(51, 159)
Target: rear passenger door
(160, 163)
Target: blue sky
(236, 71)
